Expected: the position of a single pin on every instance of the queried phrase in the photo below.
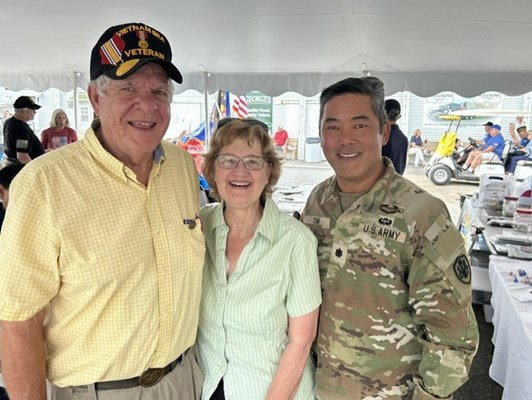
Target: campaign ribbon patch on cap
(111, 51)
(123, 49)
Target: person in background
(396, 146)
(100, 294)
(487, 128)
(479, 142)
(20, 142)
(396, 320)
(519, 122)
(59, 133)
(6, 114)
(521, 154)
(416, 148)
(3, 393)
(520, 140)
(458, 147)
(491, 150)
(261, 288)
(7, 174)
(281, 140)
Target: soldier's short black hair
(368, 85)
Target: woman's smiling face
(240, 187)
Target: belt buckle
(151, 377)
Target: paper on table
(516, 251)
(523, 296)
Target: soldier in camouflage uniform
(396, 320)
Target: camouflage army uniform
(396, 320)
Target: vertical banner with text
(260, 107)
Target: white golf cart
(447, 162)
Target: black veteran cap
(123, 49)
(25, 102)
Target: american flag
(240, 107)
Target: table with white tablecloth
(512, 320)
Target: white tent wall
(275, 46)
(415, 46)
(298, 114)
(424, 84)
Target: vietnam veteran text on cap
(123, 49)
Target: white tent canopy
(468, 47)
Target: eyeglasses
(249, 121)
(229, 161)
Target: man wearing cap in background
(520, 149)
(487, 128)
(491, 150)
(396, 149)
(20, 142)
(100, 293)
(519, 139)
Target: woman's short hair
(53, 122)
(252, 134)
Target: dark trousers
(3, 394)
(219, 392)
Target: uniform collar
(373, 198)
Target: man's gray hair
(103, 81)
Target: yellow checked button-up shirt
(115, 262)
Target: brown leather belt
(148, 378)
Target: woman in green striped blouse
(261, 288)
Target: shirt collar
(111, 163)
(267, 224)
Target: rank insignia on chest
(339, 254)
(462, 268)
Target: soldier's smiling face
(352, 140)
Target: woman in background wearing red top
(59, 132)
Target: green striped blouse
(244, 319)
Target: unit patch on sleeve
(462, 268)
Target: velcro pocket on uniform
(444, 247)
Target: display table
(512, 320)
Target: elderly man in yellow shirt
(102, 251)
